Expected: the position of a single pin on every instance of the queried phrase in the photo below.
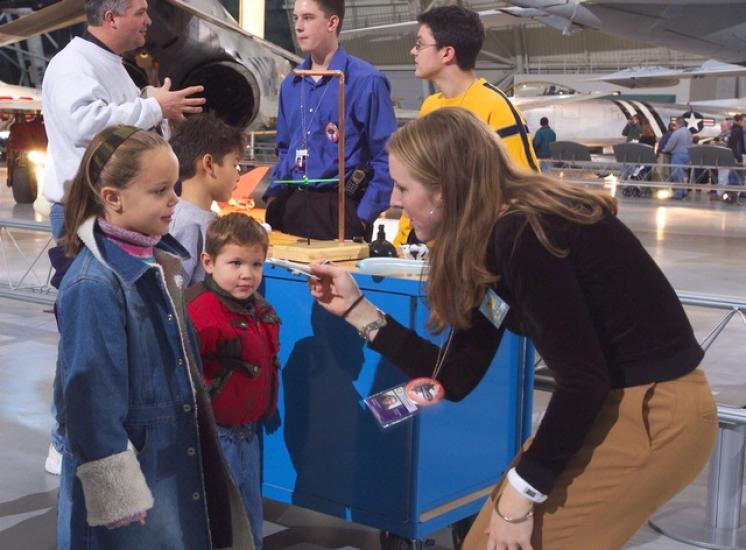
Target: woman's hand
(336, 290)
(510, 536)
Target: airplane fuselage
(599, 122)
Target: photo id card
(301, 160)
(391, 406)
(494, 308)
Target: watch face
(425, 391)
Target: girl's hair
(452, 152)
(112, 159)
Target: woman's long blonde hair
(452, 152)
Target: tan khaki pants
(647, 444)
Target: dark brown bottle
(381, 248)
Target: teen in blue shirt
(308, 133)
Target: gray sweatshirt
(680, 141)
(189, 226)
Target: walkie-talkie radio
(354, 186)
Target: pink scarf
(132, 242)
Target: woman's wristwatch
(365, 330)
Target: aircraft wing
(713, 28)
(527, 103)
(194, 42)
(491, 19)
(19, 99)
(228, 23)
(69, 12)
(30, 106)
(640, 77)
(723, 107)
(57, 16)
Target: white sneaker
(53, 464)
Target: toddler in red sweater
(238, 332)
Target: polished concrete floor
(700, 245)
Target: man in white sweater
(86, 89)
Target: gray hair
(95, 10)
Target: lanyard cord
(306, 129)
(442, 354)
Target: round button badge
(425, 391)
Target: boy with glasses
(445, 52)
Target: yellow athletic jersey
(493, 107)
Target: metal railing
(654, 180)
(718, 524)
(260, 148)
(31, 286)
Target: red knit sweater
(239, 348)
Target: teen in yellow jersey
(445, 52)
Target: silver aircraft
(596, 120)
(192, 42)
(711, 28)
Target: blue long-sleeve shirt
(369, 122)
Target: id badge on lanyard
(399, 403)
(301, 160)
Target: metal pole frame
(340, 142)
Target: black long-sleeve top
(602, 317)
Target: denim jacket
(139, 432)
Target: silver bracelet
(513, 521)
(365, 331)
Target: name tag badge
(301, 160)
(494, 308)
(391, 406)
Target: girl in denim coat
(142, 467)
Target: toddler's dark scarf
(212, 286)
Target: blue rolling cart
(324, 451)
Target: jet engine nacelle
(237, 74)
(231, 91)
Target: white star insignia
(692, 121)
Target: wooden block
(317, 250)
(297, 249)
(275, 237)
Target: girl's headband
(106, 149)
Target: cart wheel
(460, 529)
(626, 191)
(391, 541)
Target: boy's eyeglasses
(419, 46)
